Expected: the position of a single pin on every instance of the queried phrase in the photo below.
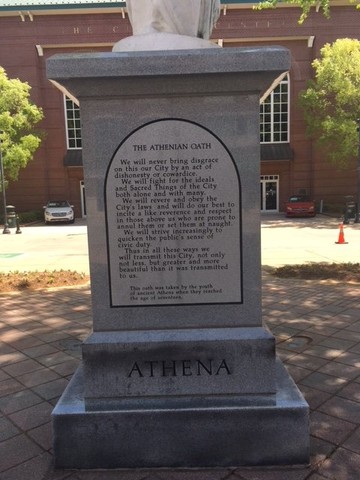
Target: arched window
(274, 115)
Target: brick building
(31, 31)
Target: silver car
(59, 211)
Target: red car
(300, 206)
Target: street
(284, 241)
(302, 240)
(42, 247)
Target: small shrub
(27, 217)
(23, 284)
(30, 217)
(336, 209)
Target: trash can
(11, 216)
(350, 209)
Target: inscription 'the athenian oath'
(172, 196)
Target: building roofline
(33, 5)
(63, 7)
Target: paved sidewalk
(317, 327)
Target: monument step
(237, 435)
(178, 363)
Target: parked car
(59, 211)
(300, 206)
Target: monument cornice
(118, 69)
(118, 64)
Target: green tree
(18, 117)
(304, 5)
(331, 102)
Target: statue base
(161, 41)
(222, 435)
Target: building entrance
(269, 193)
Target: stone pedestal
(179, 370)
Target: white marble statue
(170, 24)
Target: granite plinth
(124, 367)
(191, 435)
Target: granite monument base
(146, 367)
(193, 436)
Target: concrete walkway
(45, 247)
(290, 241)
(317, 327)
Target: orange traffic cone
(341, 239)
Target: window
(274, 115)
(274, 118)
(73, 127)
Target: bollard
(18, 225)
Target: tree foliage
(331, 103)
(304, 5)
(18, 117)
